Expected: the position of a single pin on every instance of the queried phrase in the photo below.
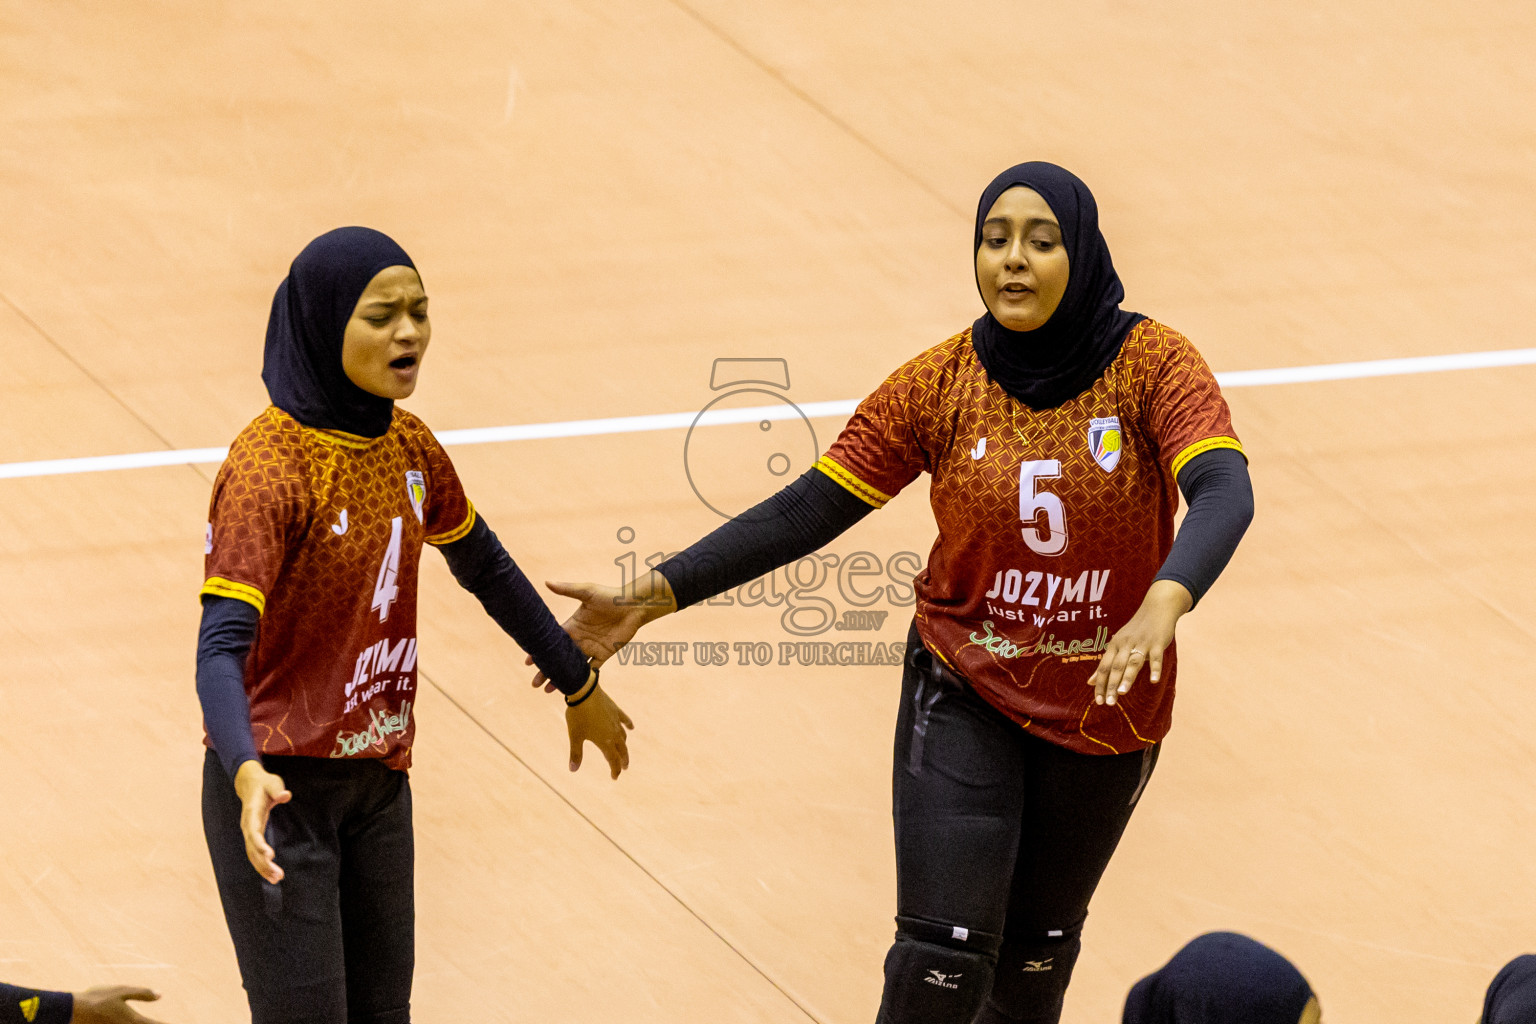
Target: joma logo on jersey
(1105, 441)
(382, 658)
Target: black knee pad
(1032, 976)
(928, 983)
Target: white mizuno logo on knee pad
(941, 979)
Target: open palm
(606, 619)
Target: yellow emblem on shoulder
(416, 490)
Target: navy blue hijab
(1512, 996)
(302, 368)
(1220, 978)
(1061, 359)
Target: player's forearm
(1168, 598)
(804, 516)
(34, 1006)
(1220, 497)
(224, 641)
(484, 568)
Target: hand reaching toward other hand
(608, 618)
(108, 1004)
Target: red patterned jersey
(322, 531)
(1052, 524)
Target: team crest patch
(1104, 442)
(416, 487)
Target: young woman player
(1058, 431)
(306, 664)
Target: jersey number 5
(1050, 537)
(385, 588)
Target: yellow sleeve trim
(218, 586)
(457, 533)
(1201, 447)
(858, 488)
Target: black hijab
(1512, 996)
(302, 368)
(1061, 359)
(1220, 978)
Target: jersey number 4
(1048, 537)
(386, 588)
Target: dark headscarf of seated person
(1223, 978)
(1059, 360)
(1511, 998)
(302, 367)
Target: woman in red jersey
(307, 654)
(1058, 431)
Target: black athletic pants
(1001, 838)
(334, 941)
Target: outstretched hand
(608, 617)
(1140, 642)
(109, 1005)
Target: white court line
(779, 411)
(1378, 368)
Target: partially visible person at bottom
(1224, 978)
(105, 1005)
(1511, 997)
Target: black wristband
(589, 690)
